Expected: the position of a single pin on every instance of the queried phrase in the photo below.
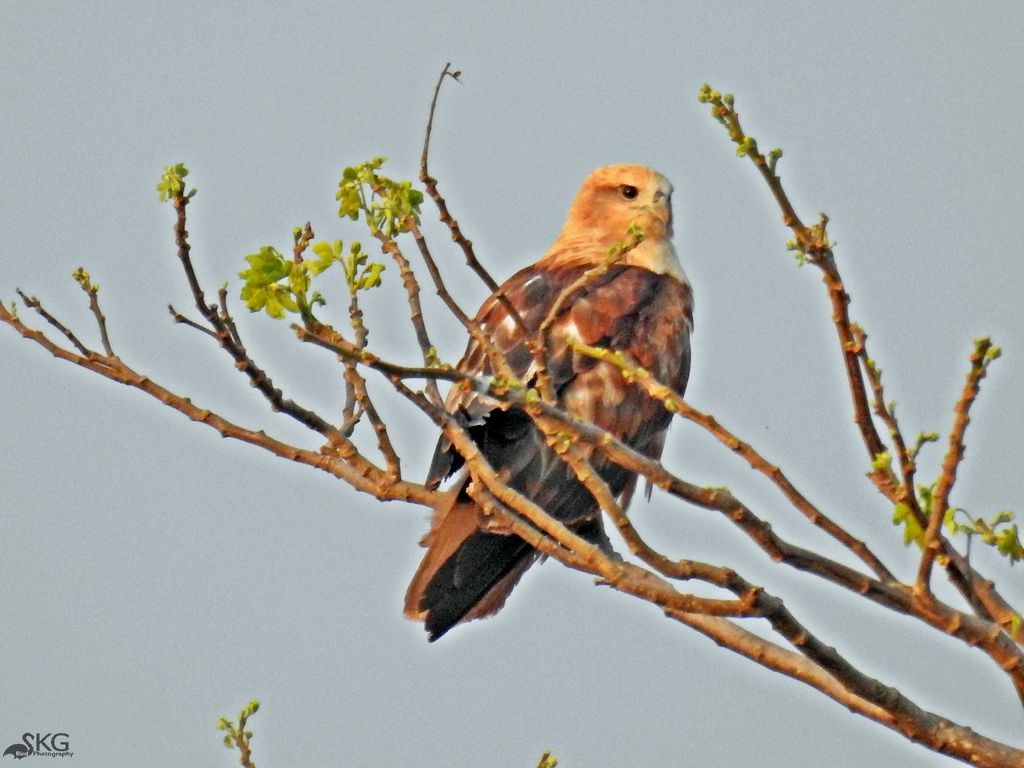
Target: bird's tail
(466, 573)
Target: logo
(43, 745)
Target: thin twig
(101, 320)
(430, 183)
(350, 416)
(183, 320)
(360, 394)
(677, 404)
(498, 361)
(303, 239)
(227, 336)
(539, 345)
(357, 396)
(899, 714)
(954, 455)
(813, 241)
(226, 318)
(338, 457)
(887, 592)
(412, 290)
(906, 716)
(905, 492)
(33, 303)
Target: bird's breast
(658, 256)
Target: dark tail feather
(476, 581)
(467, 573)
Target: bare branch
(361, 396)
(183, 320)
(677, 404)
(497, 360)
(585, 449)
(33, 303)
(226, 318)
(355, 315)
(338, 457)
(983, 353)
(227, 336)
(812, 244)
(92, 291)
(430, 183)
(904, 715)
(412, 289)
(898, 713)
(887, 592)
(905, 490)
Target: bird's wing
(468, 573)
(631, 310)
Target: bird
(640, 304)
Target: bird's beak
(660, 211)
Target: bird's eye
(629, 191)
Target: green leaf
(882, 461)
(748, 146)
(84, 281)
(298, 280)
(172, 182)
(254, 297)
(997, 532)
(1006, 516)
(912, 530)
(925, 498)
(386, 204)
(1009, 545)
(371, 276)
(327, 254)
(949, 521)
(265, 267)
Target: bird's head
(611, 200)
(615, 196)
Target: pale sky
(156, 576)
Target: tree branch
(973, 631)
(812, 244)
(982, 355)
(922, 727)
(466, 245)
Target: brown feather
(642, 308)
(453, 523)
